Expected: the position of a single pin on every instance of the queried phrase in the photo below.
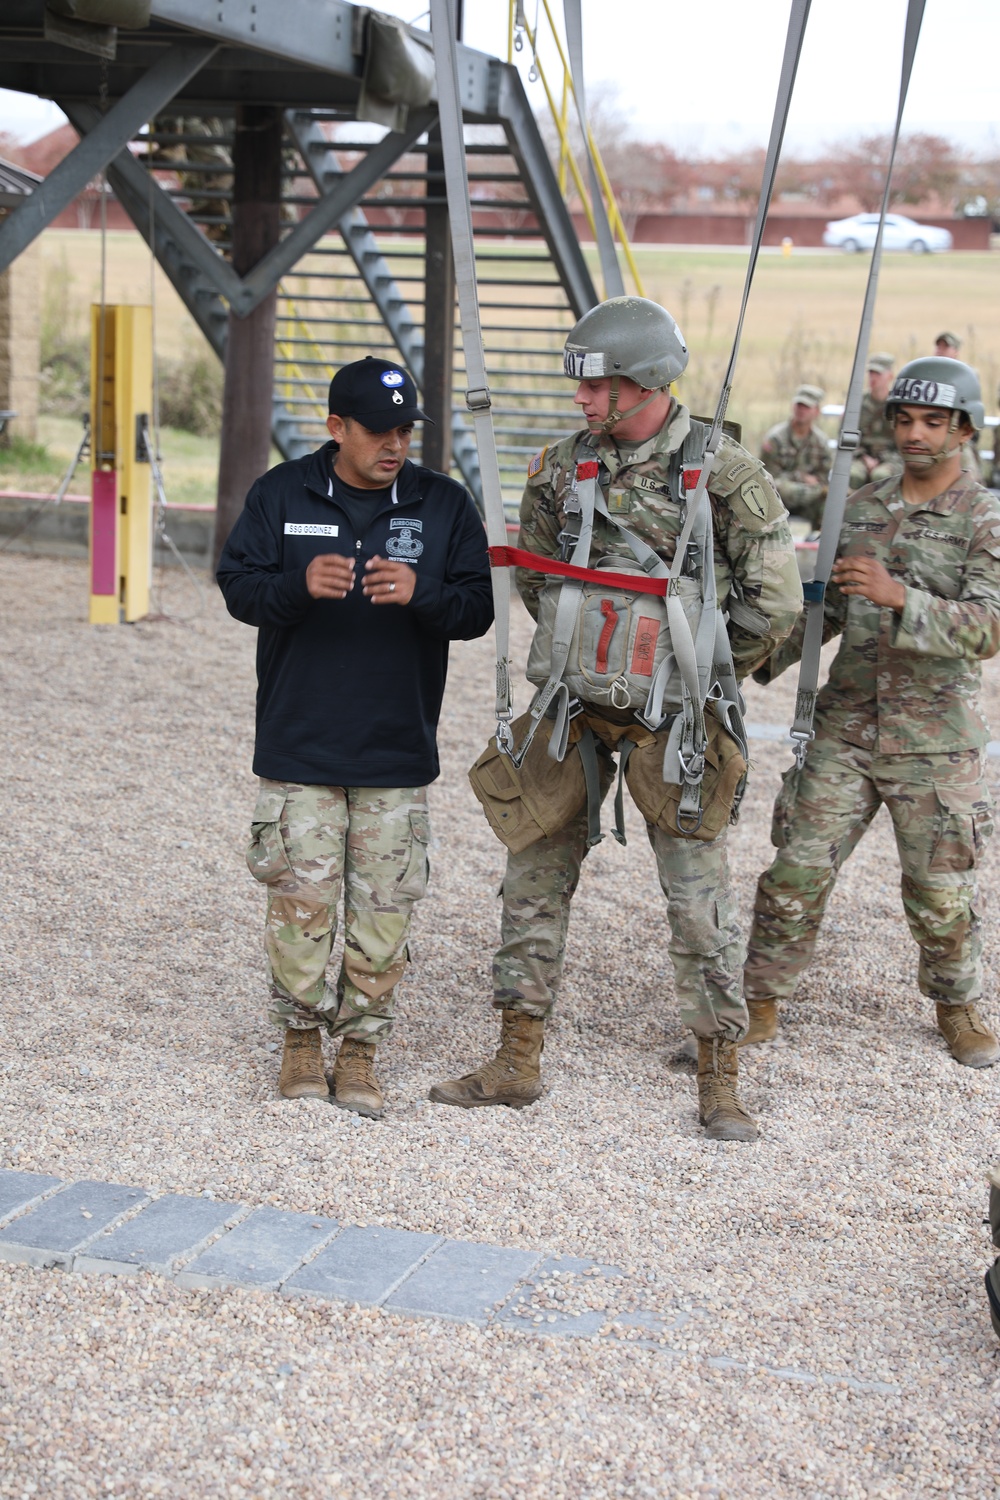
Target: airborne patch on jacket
(536, 463)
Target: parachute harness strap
(833, 513)
(688, 739)
(478, 394)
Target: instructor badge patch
(405, 547)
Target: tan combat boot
(512, 1077)
(301, 1075)
(763, 1022)
(354, 1083)
(719, 1107)
(970, 1040)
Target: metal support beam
(155, 89)
(195, 268)
(320, 36)
(439, 314)
(249, 387)
(327, 212)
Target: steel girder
(362, 246)
(110, 134)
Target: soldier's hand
(868, 579)
(386, 582)
(330, 576)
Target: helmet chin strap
(947, 454)
(614, 415)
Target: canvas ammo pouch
(619, 639)
(529, 802)
(658, 800)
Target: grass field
(801, 325)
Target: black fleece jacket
(349, 693)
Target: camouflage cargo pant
(309, 842)
(706, 944)
(942, 816)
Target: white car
(858, 233)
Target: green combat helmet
(626, 337)
(936, 381)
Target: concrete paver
(463, 1281)
(363, 1265)
(51, 1234)
(171, 1229)
(262, 1251)
(20, 1190)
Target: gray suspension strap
(586, 747)
(688, 736)
(555, 690)
(847, 442)
(614, 286)
(477, 396)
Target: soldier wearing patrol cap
(947, 345)
(915, 596)
(797, 456)
(875, 457)
(630, 459)
(358, 567)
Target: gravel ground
(848, 1244)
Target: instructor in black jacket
(358, 567)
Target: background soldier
(797, 456)
(916, 594)
(876, 457)
(628, 350)
(947, 345)
(358, 567)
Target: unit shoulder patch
(753, 497)
(755, 504)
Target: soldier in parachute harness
(915, 597)
(622, 669)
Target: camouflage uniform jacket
(789, 457)
(754, 551)
(909, 683)
(877, 437)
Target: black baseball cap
(377, 393)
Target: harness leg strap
(587, 747)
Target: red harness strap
(517, 557)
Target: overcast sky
(702, 76)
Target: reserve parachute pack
(631, 636)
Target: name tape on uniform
(309, 528)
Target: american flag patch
(536, 463)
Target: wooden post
(249, 383)
(439, 314)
